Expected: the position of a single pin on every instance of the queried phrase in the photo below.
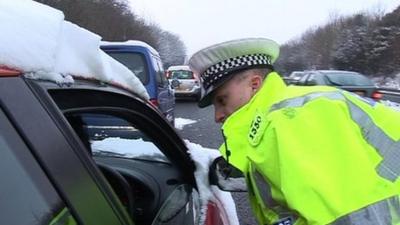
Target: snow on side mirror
(226, 176)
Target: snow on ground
(125, 147)
(388, 82)
(38, 41)
(181, 122)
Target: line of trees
(367, 43)
(114, 20)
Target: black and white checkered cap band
(217, 71)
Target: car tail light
(377, 95)
(213, 216)
(154, 102)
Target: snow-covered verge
(37, 40)
(388, 82)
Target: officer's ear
(256, 82)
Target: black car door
(139, 153)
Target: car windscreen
(182, 74)
(135, 62)
(348, 79)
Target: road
(207, 133)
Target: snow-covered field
(388, 82)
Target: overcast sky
(200, 23)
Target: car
(348, 80)
(60, 161)
(294, 77)
(184, 82)
(145, 62)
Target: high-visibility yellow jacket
(316, 155)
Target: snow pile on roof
(182, 67)
(131, 43)
(35, 39)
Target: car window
(296, 75)
(27, 196)
(348, 79)
(182, 74)
(160, 74)
(135, 62)
(111, 135)
(316, 79)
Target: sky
(206, 22)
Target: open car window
(111, 135)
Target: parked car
(145, 62)
(60, 161)
(347, 80)
(184, 82)
(293, 77)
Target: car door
(137, 150)
(45, 163)
(27, 195)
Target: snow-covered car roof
(38, 41)
(181, 67)
(131, 43)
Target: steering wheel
(119, 184)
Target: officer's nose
(220, 116)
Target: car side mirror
(226, 176)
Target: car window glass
(135, 62)
(182, 74)
(311, 79)
(348, 79)
(162, 72)
(27, 197)
(160, 76)
(319, 79)
(114, 136)
(303, 79)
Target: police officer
(311, 155)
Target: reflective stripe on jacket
(316, 155)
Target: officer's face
(234, 94)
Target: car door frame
(69, 168)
